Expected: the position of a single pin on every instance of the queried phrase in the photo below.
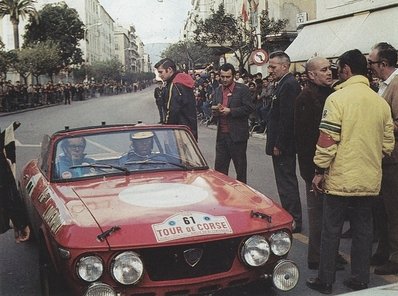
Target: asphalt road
(19, 267)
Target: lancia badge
(193, 256)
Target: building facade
(103, 38)
(295, 12)
(342, 25)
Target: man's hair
(166, 63)
(386, 53)
(226, 67)
(311, 63)
(355, 60)
(65, 142)
(283, 56)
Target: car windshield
(126, 152)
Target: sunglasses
(76, 146)
(370, 62)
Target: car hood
(150, 209)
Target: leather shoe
(388, 268)
(355, 284)
(377, 260)
(316, 284)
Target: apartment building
(342, 25)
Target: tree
(270, 27)
(233, 35)
(225, 31)
(106, 70)
(6, 60)
(17, 9)
(61, 25)
(40, 59)
(190, 54)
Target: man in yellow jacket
(356, 130)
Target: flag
(8, 143)
(245, 16)
(11, 206)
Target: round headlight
(285, 275)
(280, 243)
(255, 251)
(127, 268)
(90, 268)
(102, 289)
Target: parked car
(136, 210)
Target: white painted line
(19, 144)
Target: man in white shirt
(382, 62)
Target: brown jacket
(391, 96)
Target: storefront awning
(331, 38)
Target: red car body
(188, 226)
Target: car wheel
(49, 281)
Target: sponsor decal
(190, 224)
(51, 214)
(31, 185)
(52, 217)
(66, 175)
(45, 195)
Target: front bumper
(285, 277)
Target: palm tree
(17, 9)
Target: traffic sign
(259, 57)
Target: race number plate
(189, 224)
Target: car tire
(49, 280)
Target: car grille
(169, 263)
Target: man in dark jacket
(232, 105)
(280, 135)
(11, 206)
(179, 97)
(308, 114)
(159, 100)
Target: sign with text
(189, 224)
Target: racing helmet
(142, 142)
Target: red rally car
(135, 210)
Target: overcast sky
(155, 21)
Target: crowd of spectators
(260, 88)
(16, 96)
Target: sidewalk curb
(3, 114)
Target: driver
(73, 154)
(141, 146)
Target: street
(19, 273)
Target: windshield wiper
(101, 237)
(152, 161)
(100, 166)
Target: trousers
(287, 185)
(227, 150)
(359, 211)
(315, 213)
(387, 218)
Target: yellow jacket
(360, 123)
